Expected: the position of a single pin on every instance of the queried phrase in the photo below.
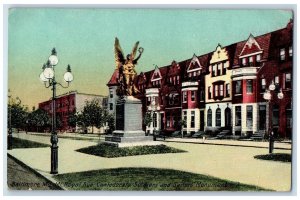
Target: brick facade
(223, 89)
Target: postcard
(150, 99)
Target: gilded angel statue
(126, 69)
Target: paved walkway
(233, 163)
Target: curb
(233, 145)
(51, 182)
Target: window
(192, 119)
(219, 69)
(238, 87)
(149, 100)
(227, 90)
(111, 94)
(154, 120)
(168, 121)
(290, 51)
(111, 106)
(263, 85)
(209, 117)
(288, 113)
(214, 70)
(249, 120)
(178, 80)
(190, 75)
(249, 86)
(258, 58)
(221, 90)
(216, 91)
(224, 70)
(282, 54)
(209, 92)
(276, 80)
(275, 115)
(238, 116)
(288, 80)
(193, 95)
(184, 96)
(202, 96)
(184, 118)
(195, 74)
(251, 61)
(170, 79)
(262, 117)
(244, 61)
(218, 117)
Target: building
(223, 89)
(69, 103)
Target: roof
(114, 78)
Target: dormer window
(244, 62)
(282, 54)
(258, 58)
(251, 61)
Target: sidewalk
(255, 144)
(225, 161)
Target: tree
(148, 118)
(17, 114)
(39, 119)
(110, 121)
(91, 115)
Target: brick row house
(69, 103)
(222, 89)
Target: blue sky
(84, 38)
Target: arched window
(209, 117)
(218, 117)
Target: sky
(84, 38)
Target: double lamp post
(48, 77)
(268, 97)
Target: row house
(222, 89)
(218, 86)
(69, 103)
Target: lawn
(109, 151)
(282, 157)
(147, 179)
(21, 143)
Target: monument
(129, 117)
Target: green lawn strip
(282, 157)
(21, 143)
(148, 179)
(109, 151)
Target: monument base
(129, 125)
(130, 138)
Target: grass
(148, 179)
(21, 143)
(282, 157)
(109, 151)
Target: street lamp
(48, 77)
(153, 107)
(9, 136)
(268, 96)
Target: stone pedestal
(129, 130)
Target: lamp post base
(54, 154)
(54, 160)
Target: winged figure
(126, 67)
